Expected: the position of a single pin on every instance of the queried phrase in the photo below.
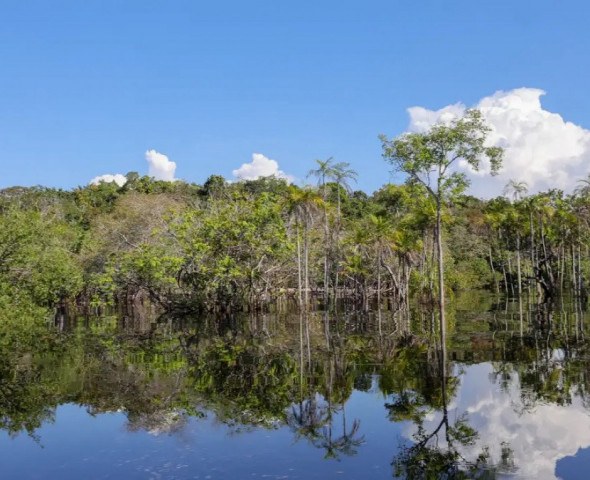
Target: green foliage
(469, 275)
(427, 158)
(231, 249)
(246, 244)
(37, 257)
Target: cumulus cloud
(538, 437)
(118, 178)
(260, 166)
(541, 148)
(160, 167)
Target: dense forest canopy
(250, 244)
(247, 244)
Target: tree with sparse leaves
(430, 160)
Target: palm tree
(517, 190)
(303, 204)
(307, 418)
(345, 444)
(341, 173)
(324, 171)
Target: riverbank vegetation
(249, 245)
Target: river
(347, 395)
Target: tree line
(252, 244)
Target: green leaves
(230, 248)
(37, 257)
(430, 158)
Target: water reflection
(313, 420)
(508, 394)
(444, 443)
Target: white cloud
(260, 166)
(541, 148)
(118, 178)
(421, 119)
(160, 167)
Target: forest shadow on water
(349, 394)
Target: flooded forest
(263, 329)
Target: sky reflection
(537, 435)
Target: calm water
(348, 396)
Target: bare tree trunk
(326, 296)
(580, 275)
(493, 271)
(574, 282)
(299, 283)
(505, 278)
(335, 289)
(423, 262)
(547, 262)
(306, 259)
(441, 282)
(337, 248)
(431, 266)
(338, 189)
(518, 264)
(561, 266)
(510, 272)
(326, 251)
(532, 243)
(379, 279)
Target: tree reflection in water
(539, 360)
(429, 457)
(312, 421)
(314, 415)
(299, 371)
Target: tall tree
(342, 174)
(516, 191)
(429, 159)
(302, 206)
(323, 172)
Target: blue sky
(88, 87)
